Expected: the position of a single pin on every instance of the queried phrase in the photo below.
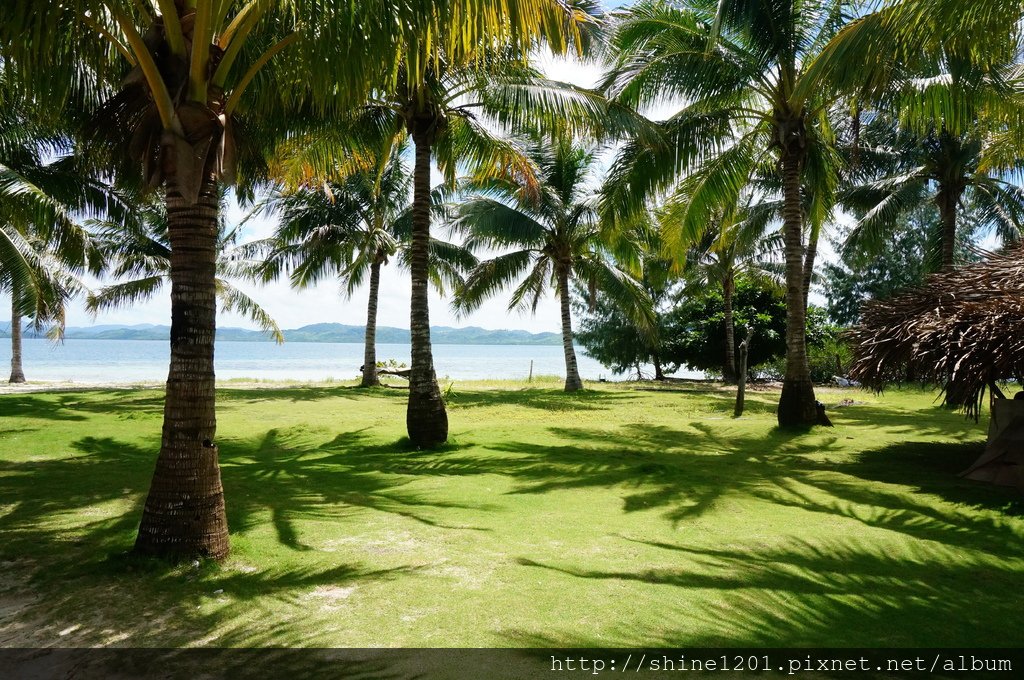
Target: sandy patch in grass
(390, 543)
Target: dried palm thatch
(963, 329)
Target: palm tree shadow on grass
(805, 594)
(35, 407)
(948, 585)
(286, 473)
(77, 406)
(683, 471)
(281, 473)
(291, 475)
(934, 421)
(780, 468)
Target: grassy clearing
(621, 516)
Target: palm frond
(234, 300)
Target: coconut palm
(944, 115)
(449, 93)
(735, 242)
(949, 131)
(351, 228)
(741, 67)
(555, 237)
(443, 114)
(195, 94)
(43, 247)
(141, 254)
(901, 169)
(42, 295)
(184, 69)
(875, 53)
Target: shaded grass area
(615, 517)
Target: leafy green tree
(695, 326)
(828, 353)
(140, 253)
(555, 238)
(351, 228)
(613, 336)
(734, 241)
(742, 67)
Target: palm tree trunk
(184, 513)
(572, 371)
(797, 405)
(17, 373)
(370, 378)
(425, 419)
(729, 369)
(946, 201)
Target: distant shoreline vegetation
(321, 332)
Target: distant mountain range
(318, 332)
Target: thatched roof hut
(963, 329)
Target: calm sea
(99, 361)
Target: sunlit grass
(624, 515)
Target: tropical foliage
(44, 194)
(743, 70)
(555, 238)
(898, 170)
(351, 229)
(139, 252)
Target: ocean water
(113, 361)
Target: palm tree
(52, 283)
(735, 242)
(442, 107)
(948, 130)
(206, 89)
(741, 66)
(900, 170)
(556, 236)
(43, 247)
(351, 228)
(944, 113)
(140, 253)
(877, 50)
(179, 115)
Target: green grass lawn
(622, 516)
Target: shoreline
(543, 382)
(246, 384)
